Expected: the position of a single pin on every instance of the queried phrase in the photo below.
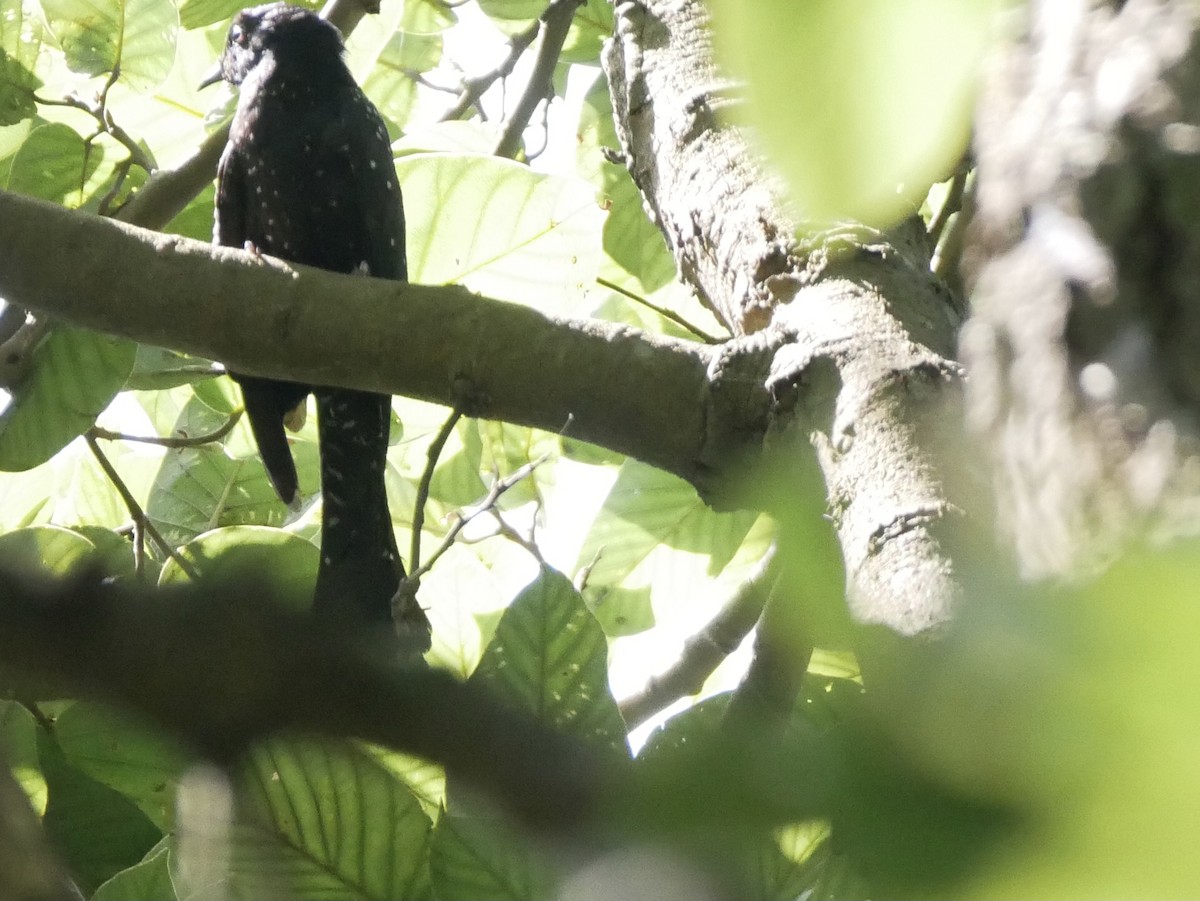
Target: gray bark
(858, 335)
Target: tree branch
(707, 649)
(492, 359)
(557, 20)
(865, 332)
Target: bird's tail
(268, 404)
(360, 567)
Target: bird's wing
(267, 401)
(358, 139)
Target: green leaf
(75, 374)
(325, 820)
(198, 13)
(390, 84)
(507, 447)
(201, 488)
(500, 229)
(18, 742)
(549, 656)
(97, 831)
(592, 25)
(46, 548)
(123, 755)
(158, 367)
(456, 479)
(645, 509)
(17, 85)
(871, 103)
(480, 858)
(287, 560)
(113, 552)
(196, 219)
(98, 35)
(149, 880)
(54, 164)
(507, 12)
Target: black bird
(307, 176)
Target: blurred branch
(218, 666)
(557, 19)
(708, 648)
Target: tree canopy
(793, 446)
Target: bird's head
(277, 30)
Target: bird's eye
(238, 35)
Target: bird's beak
(212, 76)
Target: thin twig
(951, 204)
(507, 531)
(661, 311)
(173, 443)
(432, 455)
(557, 19)
(141, 522)
(98, 111)
(949, 249)
(708, 648)
(474, 88)
(499, 486)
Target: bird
(307, 176)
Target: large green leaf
(324, 820)
(99, 35)
(549, 656)
(123, 755)
(870, 104)
(201, 488)
(54, 164)
(96, 830)
(500, 229)
(75, 373)
(477, 858)
(49, 548)
(390, 50)
(287, 560)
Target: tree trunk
(846, 327)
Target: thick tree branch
(493, 359)
(863, 332)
